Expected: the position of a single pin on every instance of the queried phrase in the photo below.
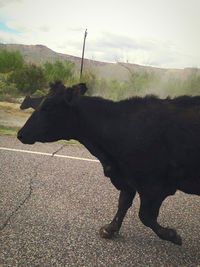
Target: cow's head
(26, 103)
(54, 119)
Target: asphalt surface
(51, 210)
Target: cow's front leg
(125, 202)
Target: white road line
(47, 154)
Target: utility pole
(83, 51)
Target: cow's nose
(19, 136)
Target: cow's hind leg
(125, 202)
(149, 211)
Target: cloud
(110, 40)
(44, 28)
(114, 47)
(108, 46)
(75, 29)
(4, 3)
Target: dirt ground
(12, 116)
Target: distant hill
(39, 54)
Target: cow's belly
(190, 185)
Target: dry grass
(9, 131)
(13, 108)
(12, 116)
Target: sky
(160, 33)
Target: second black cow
(31, 102)
(145, 145)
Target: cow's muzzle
(24, 139)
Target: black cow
(31, 102)
(145, 145)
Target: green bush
(8, 88)
(10, 61)
(62, 71)
(40, 92)
(91, 80)
(192, 84)
(28, 79)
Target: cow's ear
(79, 89)
(75, 91)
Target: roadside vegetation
(19, 78)
(8, 131)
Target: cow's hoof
(178, 240)
(170, 235)
(175, 238)
(107, 231)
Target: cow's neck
(96, 131)
(94, 117)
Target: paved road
(52, 208)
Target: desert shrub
(28, 79)
(40, 92)
(90, 78)
(8, 88)
(10, 61)
(62, 71)
(171, 86)
(114, 90)
(142, 81)
(192, 84)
